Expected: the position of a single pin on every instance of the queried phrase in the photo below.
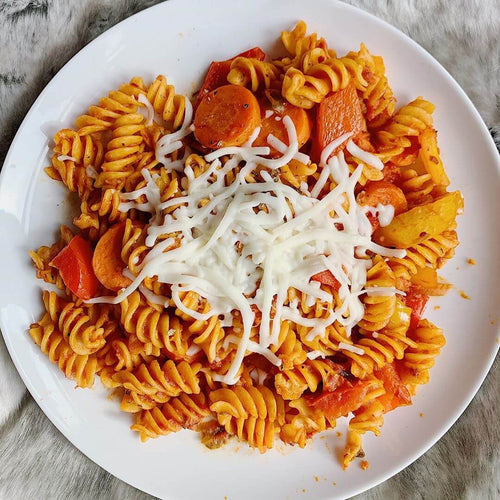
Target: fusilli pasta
(222, 275)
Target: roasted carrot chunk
(216, 75)
(74, 263)
(338, 114)
(272, 123)
(107, 262)
(385, 193)
(226, 117)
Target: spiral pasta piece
(411, 119)
(291, 384)
(145, 321)
(377, 95)
(244, 402)
(296, 173)
(83, 331)
(257, 432)
(380, 348)
(155, 383)
(166, 103)
(252, 73)
(302, 90)
(378, 308)
(352, 448)
(182, 412)
(298, 44)
(309, 86)
(119, 102)
(134, 248)
(416, 187)
(339, 73)
(81, 368)
(420, 358)
(289, 349)
(432, 252)
(377, 352)
(119, 353)
(122, 151)
(328, 344)
(75, 161)
(408, 122)
(207, 335)
(109, 206)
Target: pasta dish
(253, 261)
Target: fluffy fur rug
(36, 38)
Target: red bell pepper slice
(417, 301)
(342, 400)
(327, 278)
(396, 392)
(74, 263)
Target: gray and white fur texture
(36, 38)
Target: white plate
(179, 39)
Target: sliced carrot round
(273, 124)
(226, 117)
(107, 262)
(385, 193)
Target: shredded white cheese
(91, 172)
(169, 143)
(66, 157)
(368, 158)
(315, 354)
(239, 256)
(150, 112)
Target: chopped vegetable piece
(273, 124)
(343, 400)
(391, 173)
(107, 262)
(421, 222)
(226, 117)
(326, 278)
(216, 75)
(431, 159)
(385, 193)
(426, 277)
(338, 114)
(74, 263)
(417, 301)
(396, 392)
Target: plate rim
(479, 123)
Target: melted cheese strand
(368, 158)
(150, 112)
